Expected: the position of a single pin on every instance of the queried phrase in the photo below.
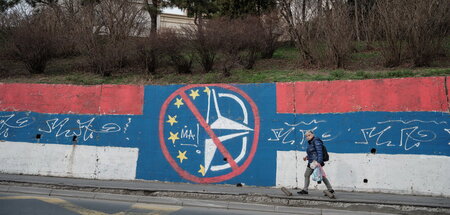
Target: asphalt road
(24, 204)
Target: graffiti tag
(7, 122)
(287, 135)
(84, 129)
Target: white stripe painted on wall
(68, 160)
(404, 174)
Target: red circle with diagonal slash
(237, 170)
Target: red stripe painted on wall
(71, 99)
(285, 98)
(122, 99)
(391, 95)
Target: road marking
(152, 208)
(170, 208)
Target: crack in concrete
(446, 93)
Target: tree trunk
(357, 21)
(303, 10)
(319, 8)
(154, 17)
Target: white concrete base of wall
(403, 174)
(68, 160)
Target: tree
(391, 17)
(238, 8)
(6, 4)
(198, 9)
(35, 3)
(34, 41)
(205, 46)
(153, 9)
(151, 49)
(104, 33)
(298, 28)
(272, 31)
(335, 32)
(360, 11)
(427, 25)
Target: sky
(172, 10)
(168, 10)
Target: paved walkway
(392, 203)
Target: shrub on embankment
(350, 40)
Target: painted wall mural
(381, 134)
(215, 127)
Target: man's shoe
(303, 192)
(331, 191)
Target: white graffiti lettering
(410, 136)
(127, 125)
(6, 123)
(188, 134)
(278, 132)
(368, 134)
(415, 120)
(84, 129)
(305, 123)
(406, 135)
(284, 136)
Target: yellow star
(202, 170)
(194, 94)
(181, 156)
(179, 102)
(173, 137)
(207, 90)
(172, 120)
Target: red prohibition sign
(236, 170)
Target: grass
(238, 76)
(286, 52)
(283, 67)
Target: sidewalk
(270, 197)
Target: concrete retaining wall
(388, 135)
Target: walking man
(314, 153)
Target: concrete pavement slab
(298, 210)
(30, 190)
(375, 213)
(205, 203)
(343, 212)
(160, 200)
(72, 193)
(116, 197)
(4, 188)
(250, 206)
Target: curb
(274, 203)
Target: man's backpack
(326, 157)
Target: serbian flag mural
(380, 133)
(65, 130)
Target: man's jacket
(314, 150)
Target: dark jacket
(314, 150)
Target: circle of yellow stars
(173, 120)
